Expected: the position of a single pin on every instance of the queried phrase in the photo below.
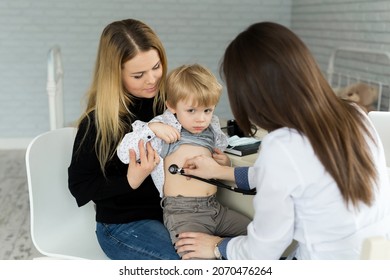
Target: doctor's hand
(196, 245)
(138, 170)
(206, 167)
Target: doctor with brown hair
(321, 177)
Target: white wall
(327, 24)
(192, 31)
(363, 24)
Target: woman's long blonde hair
(120, 41)
(273, 81)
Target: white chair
(376, 248)
(59, 228)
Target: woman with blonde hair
(320, 176)
(128, 85)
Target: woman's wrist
(217, 252)
(133, 184)
(225, 173)
(221, 246)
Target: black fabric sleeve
(86, 180)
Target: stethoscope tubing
(174, 169)
(222, 185)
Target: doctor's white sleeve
(272, 228)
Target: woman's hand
(206, 167)
(221, 157)
(196, 245)
(165, 132)
(139, 170)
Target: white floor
(15, 240)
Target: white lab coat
(297, 199)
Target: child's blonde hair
(192, 82)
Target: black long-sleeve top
(116, 202)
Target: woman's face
(141, 75)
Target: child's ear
(170, 108)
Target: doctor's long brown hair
(273, 81)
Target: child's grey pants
(202, 214)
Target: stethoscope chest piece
(174, 169)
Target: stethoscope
(174, 169)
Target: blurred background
(191, 31)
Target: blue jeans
(139, 240)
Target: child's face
(195, 119)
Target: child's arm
(166, 127)
(140, 131)
(220, 143)
(221, 139)
(154, 131)
(165, 132)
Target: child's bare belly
(180, 185)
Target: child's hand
(165, 132)
(221, 157)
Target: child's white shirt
(141, 131)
